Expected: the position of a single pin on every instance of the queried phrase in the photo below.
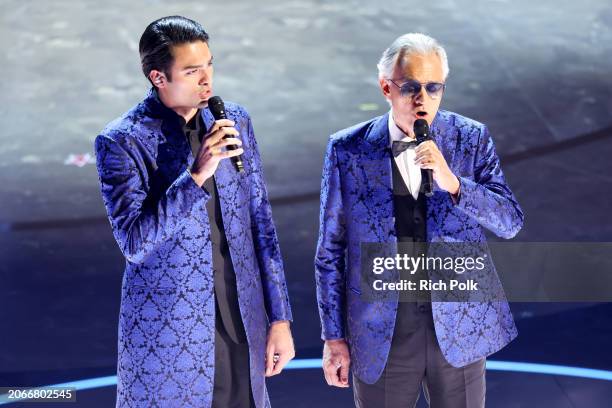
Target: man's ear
(158, 78)
(384, 87)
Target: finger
(430, 153)
(223, 123)
(338, 379)
(213, 137)
(421, 148)
(216, 134)
(423, 158)
(428, 145)
(344, 372)
(327, 377)
(218, 125)
(229, 153)
(428, 165)
(335, 375)
(421, 152)
(228, 141)
(331, 370)
(269, 361)
(281, 363)
(326, 371)
(229, 131)
(224, 154)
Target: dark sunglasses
(411, 88)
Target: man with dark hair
(156, 42)
(204, 309)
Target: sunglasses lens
(434, 89)
(410, 88)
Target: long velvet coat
(159, 219)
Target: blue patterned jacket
(357, 206)
(159, 219)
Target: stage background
(537, 73)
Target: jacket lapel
(227, 178)
(376, 168)
(445, 136)
(233, 195)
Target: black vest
(410, 228)
(410, 214)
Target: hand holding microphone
(217, 108)
(221, 135)
(429, 157)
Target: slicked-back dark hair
(160, 36)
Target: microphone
(217, 108)
(421, 131)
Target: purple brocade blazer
(357, 207)
(159, 219)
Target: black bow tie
(398, 147)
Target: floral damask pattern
(159, 219)
(357, 207)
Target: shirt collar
(395, 133)
(194, 124)
(158, 109)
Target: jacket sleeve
(265, 240)
(138, 224)
(331, 251)
(488, 199)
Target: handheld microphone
(421, 131)
(217, 108)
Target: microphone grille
(216, 106)
(421, 128)
(420, 124)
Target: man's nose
(420, 96)
(204, 78)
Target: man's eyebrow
(195, 66)
(191, 67)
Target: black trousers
(232, 387)
(415, 360)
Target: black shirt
(224, 275)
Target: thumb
(344, 371)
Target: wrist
(197, 176)
(280, 323)
(454, 185)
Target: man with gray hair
(372, 192)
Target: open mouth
(421, 114)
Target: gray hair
(404, 46)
